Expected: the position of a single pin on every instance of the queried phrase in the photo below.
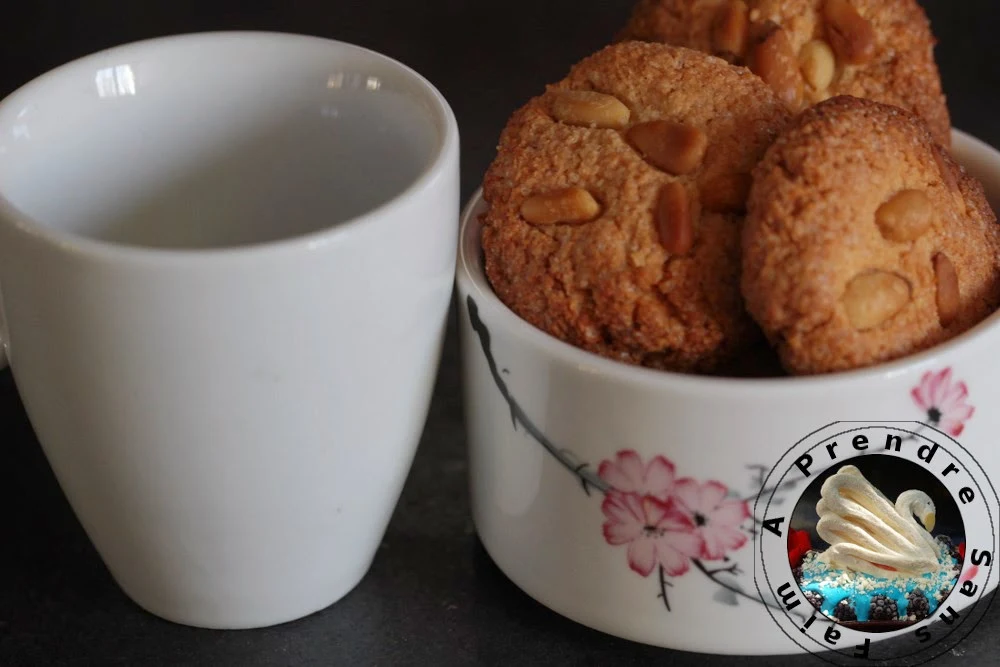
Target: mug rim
(472, 280)
(442, 157)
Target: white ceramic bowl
(566, 446)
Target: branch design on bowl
(668, 525)
(673, 525)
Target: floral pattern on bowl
(673, 526)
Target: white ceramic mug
(226, 261)
(575, 460)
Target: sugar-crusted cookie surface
(615, 202)
(864, 241)
(810, 50)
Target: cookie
(615, 201)
(811, 50)
(864, 241)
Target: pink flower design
(944, 401)
(628, 474)
(656, 532)
(716, 517)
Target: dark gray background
(432, 597)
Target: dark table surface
(432, 597)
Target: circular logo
(886, 553)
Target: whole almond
(906, 216)
(590, 109)
(949, 298)
(874, 297)
(773, 59)
(851, 35)
(675, 148)
(562, 206)
(726, 193)
(729, 31)
(818, 64)
(673, 219)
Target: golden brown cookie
(811, 50)
(864, 241)
(615, 201)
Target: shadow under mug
(226, 262)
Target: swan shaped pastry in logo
(868, 533)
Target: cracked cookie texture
(811, 50)
(864, 241)
(615, 201)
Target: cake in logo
(877, 565)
